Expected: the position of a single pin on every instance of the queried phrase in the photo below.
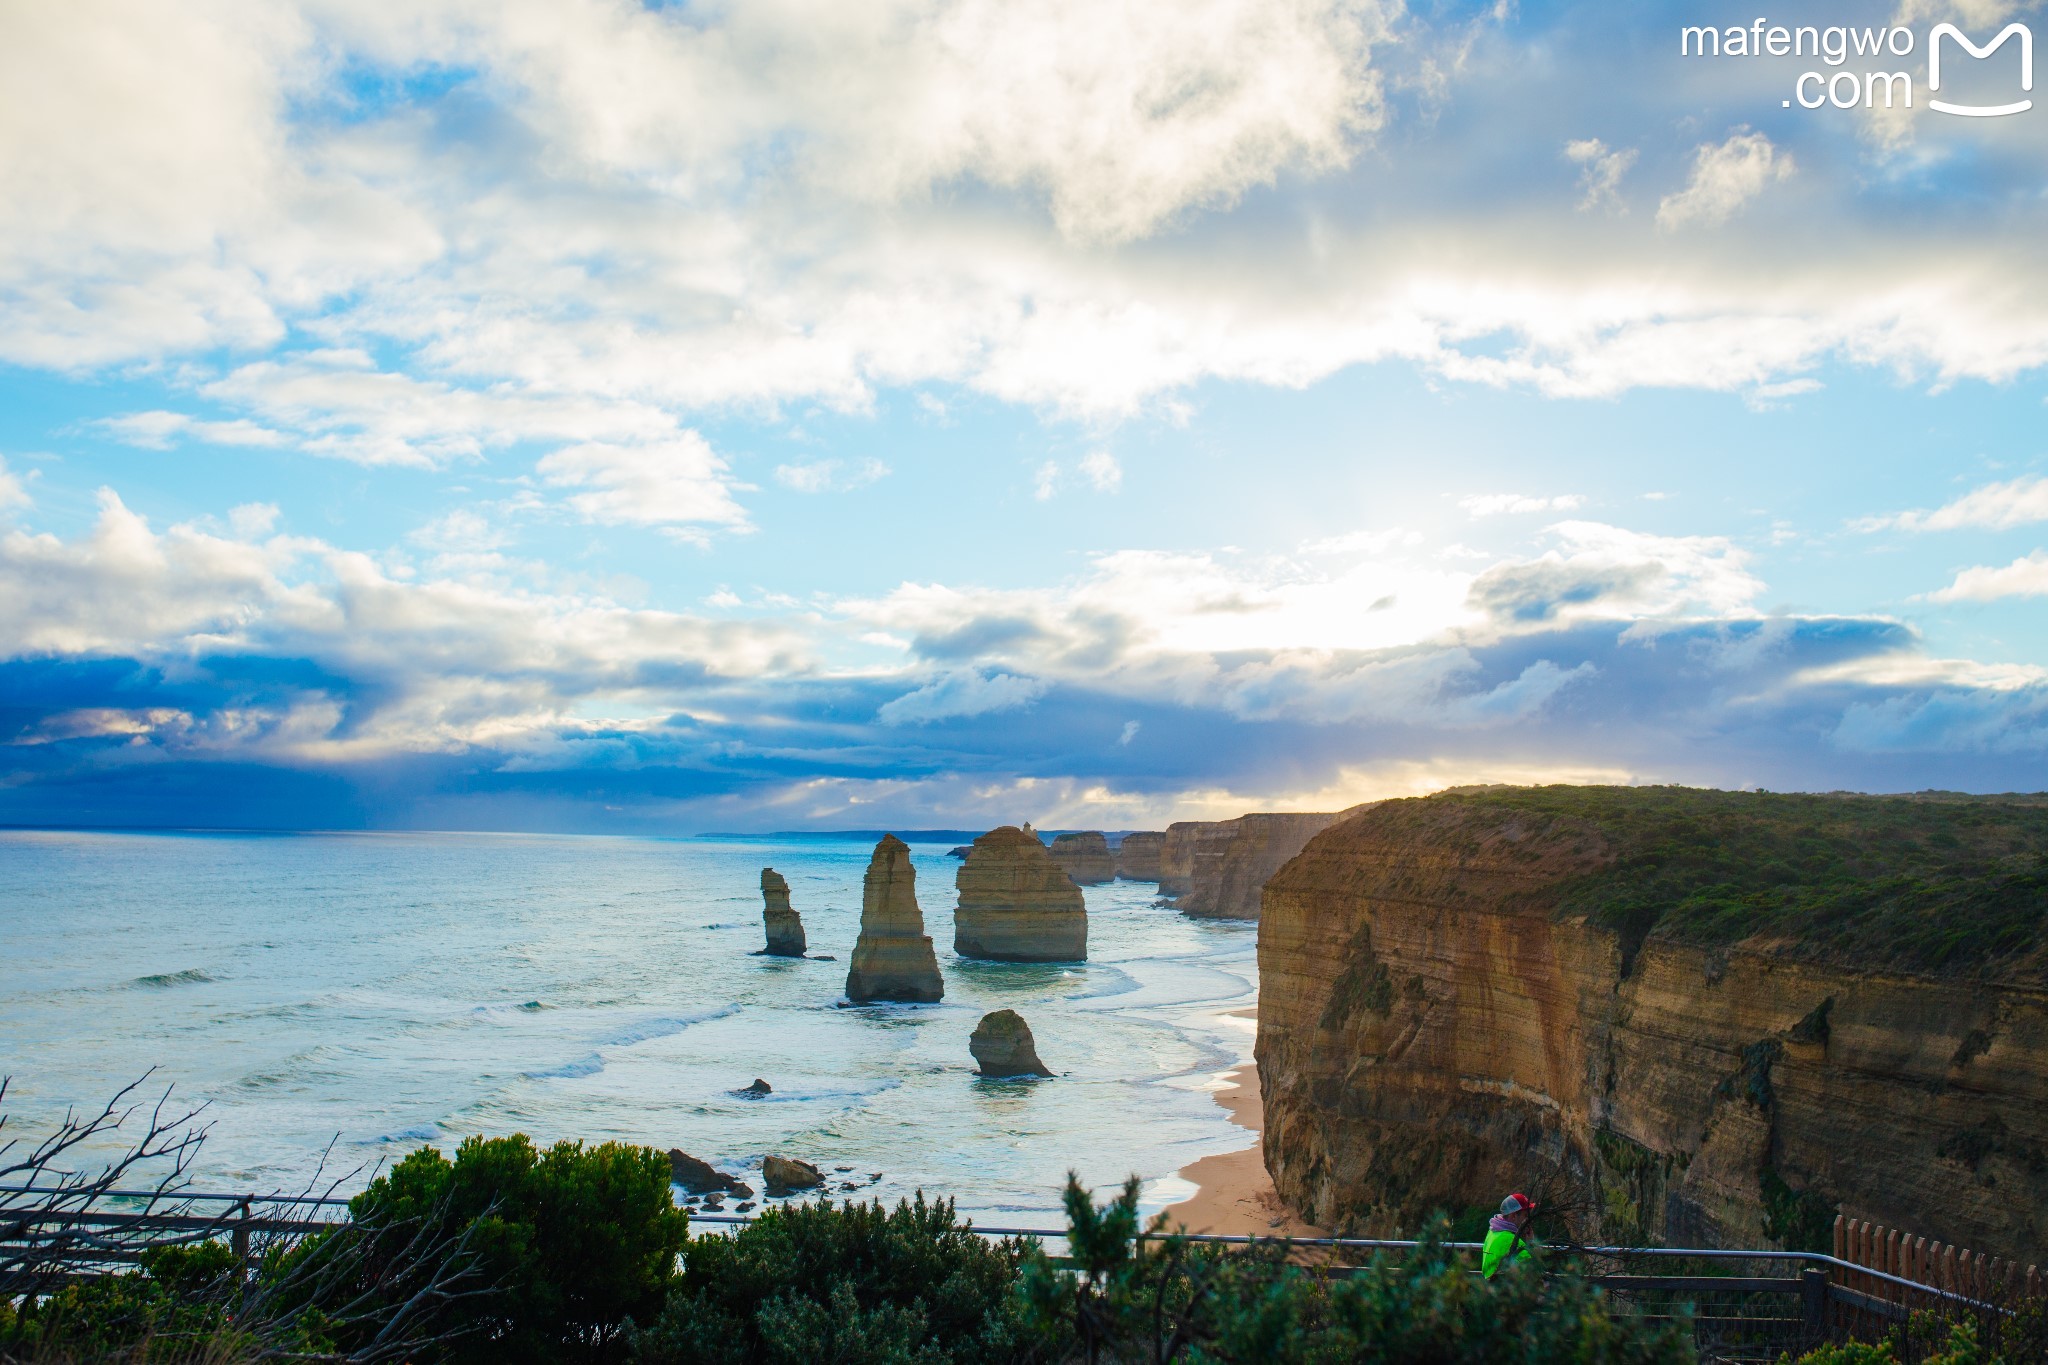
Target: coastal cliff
(1215, 869)
(1085, 857)
(1016, 904)
(1137, 856)
(1705, 1017)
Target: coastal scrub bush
(572, 1242)
(850, 1283)
(1163, 1298)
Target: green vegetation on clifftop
(1935, 882)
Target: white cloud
(12, 491)
(2024, 577)
(1047, 480)
(1101, 470)
(673, 483)
(160, 430)
(1498, 504)
(1600, 172)
(957, 695)
(454, 662)
(1997, 507)
(825, 476)
(1725, 178)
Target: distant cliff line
(1715, 1017)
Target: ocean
(362, 994)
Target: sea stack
(893, 959)
(785, 926)
(1002, 1046)
(1137, 857)
(1085, 857)
(1016, 904)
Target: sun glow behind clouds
(593, 293)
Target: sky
(658, 418)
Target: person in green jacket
(1507, 1234)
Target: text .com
(1870, 88)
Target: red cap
(1517, 1203)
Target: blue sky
(598, 416)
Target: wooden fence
(1951, 1269)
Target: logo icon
(1941, 31)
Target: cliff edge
(1215, 869)
(1707, 1017)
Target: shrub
(851, 1284)
(1167, 1299)
(571, 1243)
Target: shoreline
(1233, 1194)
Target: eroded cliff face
(1433, 1031)
(1215, 869)
(1137, 856)
(1085, 857)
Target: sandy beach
(1235, 1195)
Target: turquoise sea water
(379, 991)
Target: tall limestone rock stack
(1016, 904)
(1717, 1018)
(893, 959)
(785, 927)
(1085, 857)
(1137, 857)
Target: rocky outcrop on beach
(1003, 1047)
(1137, 856)
(1016, 904)
(699, 1177)
(1715, 1018)
(1085, 857)
(787, 1175)
(893, 958)
(1215, 869)
(785, 927)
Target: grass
(1937, 882)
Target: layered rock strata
(1016, 904)
(1003, 1047)
(1137, 856)
(1085, 856)
(1442, 1019)
(893, 958)
(785, 927)
(1216, 869)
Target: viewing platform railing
(1739, 1304)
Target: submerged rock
(785, 927)
(893, 960)
(1016, 904)
(787, 1175)
(961, 852)
(698, 1177)
(1085, 857)
(759, 1087)
(1002, 1046)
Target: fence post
(238, 1240)
(1813, 1296)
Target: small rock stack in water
(785, 926)
(1085, 857)
(1016, 904)
(1002, 1046)
(893, 959)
